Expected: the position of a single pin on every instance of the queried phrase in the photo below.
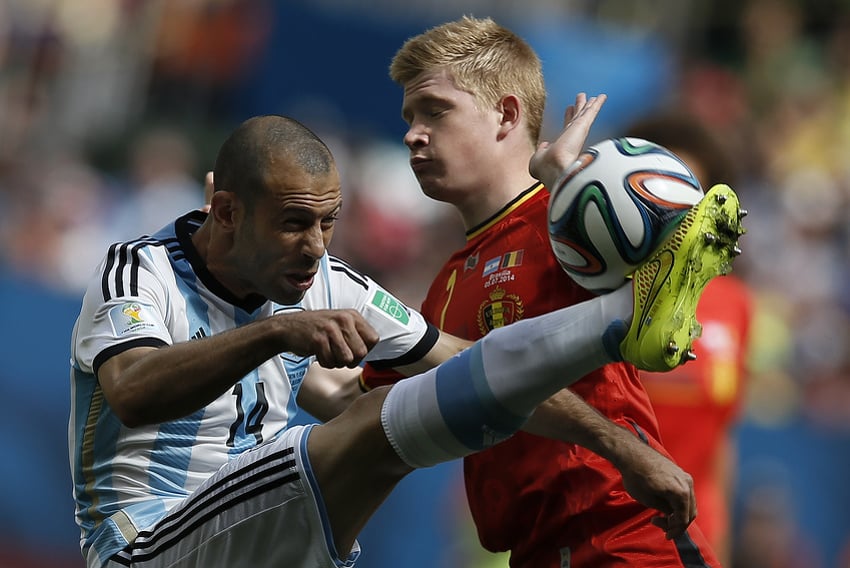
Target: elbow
(129, 417)
(132, 421)
(129, 411)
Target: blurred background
(112, 110)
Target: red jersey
(697, 403)
(552, 504)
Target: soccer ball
(617, 203)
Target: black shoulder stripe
(118, 257)
(119, 269)
(172, 244)
(174, 249)
(335, 260)
(356, 277)
(432, 334)
(134, 268)
(104, 282)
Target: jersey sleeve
(371, 378)
(124, 306)
(405, 335)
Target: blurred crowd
(112, 110)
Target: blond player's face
(448, 135)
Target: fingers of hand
(350, 338)
(208, 192)
(672, 526)
(681, 515)
(569, 115)
(337, 338)
(209, 187)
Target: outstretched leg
(485, 394)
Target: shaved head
(256, 151)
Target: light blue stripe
(172, 450)
(103, 450)
(469, 408)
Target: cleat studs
(690, 356)
(672, 348)
(710, 238)
(736, 250)
(721, 198)
(696, 330)
(743, 213)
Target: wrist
(563, 177)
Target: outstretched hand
(552, 159)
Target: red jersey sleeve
(372, 378)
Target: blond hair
(483, 58)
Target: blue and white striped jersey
(156, 291)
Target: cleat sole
(667, 287)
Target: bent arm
(147, 385)
(650, 477)
(569, 418)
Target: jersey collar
(184, 227)
(512, 205)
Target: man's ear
(511, 112)
(223, 206)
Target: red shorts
(606, 528)
(632, 543)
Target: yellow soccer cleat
(667, 287)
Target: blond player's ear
(209, 188)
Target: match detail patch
(131, 317)
(391, 307)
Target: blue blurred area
(327, 68)
(793, 479)
(37, 504)
(330, 69)
(634, 69)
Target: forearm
(649, 477)
(567, 417)
(325, 393)
(146, 386)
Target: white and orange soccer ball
(615, 207)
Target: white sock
(486, 393)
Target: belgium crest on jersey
(499, 310)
